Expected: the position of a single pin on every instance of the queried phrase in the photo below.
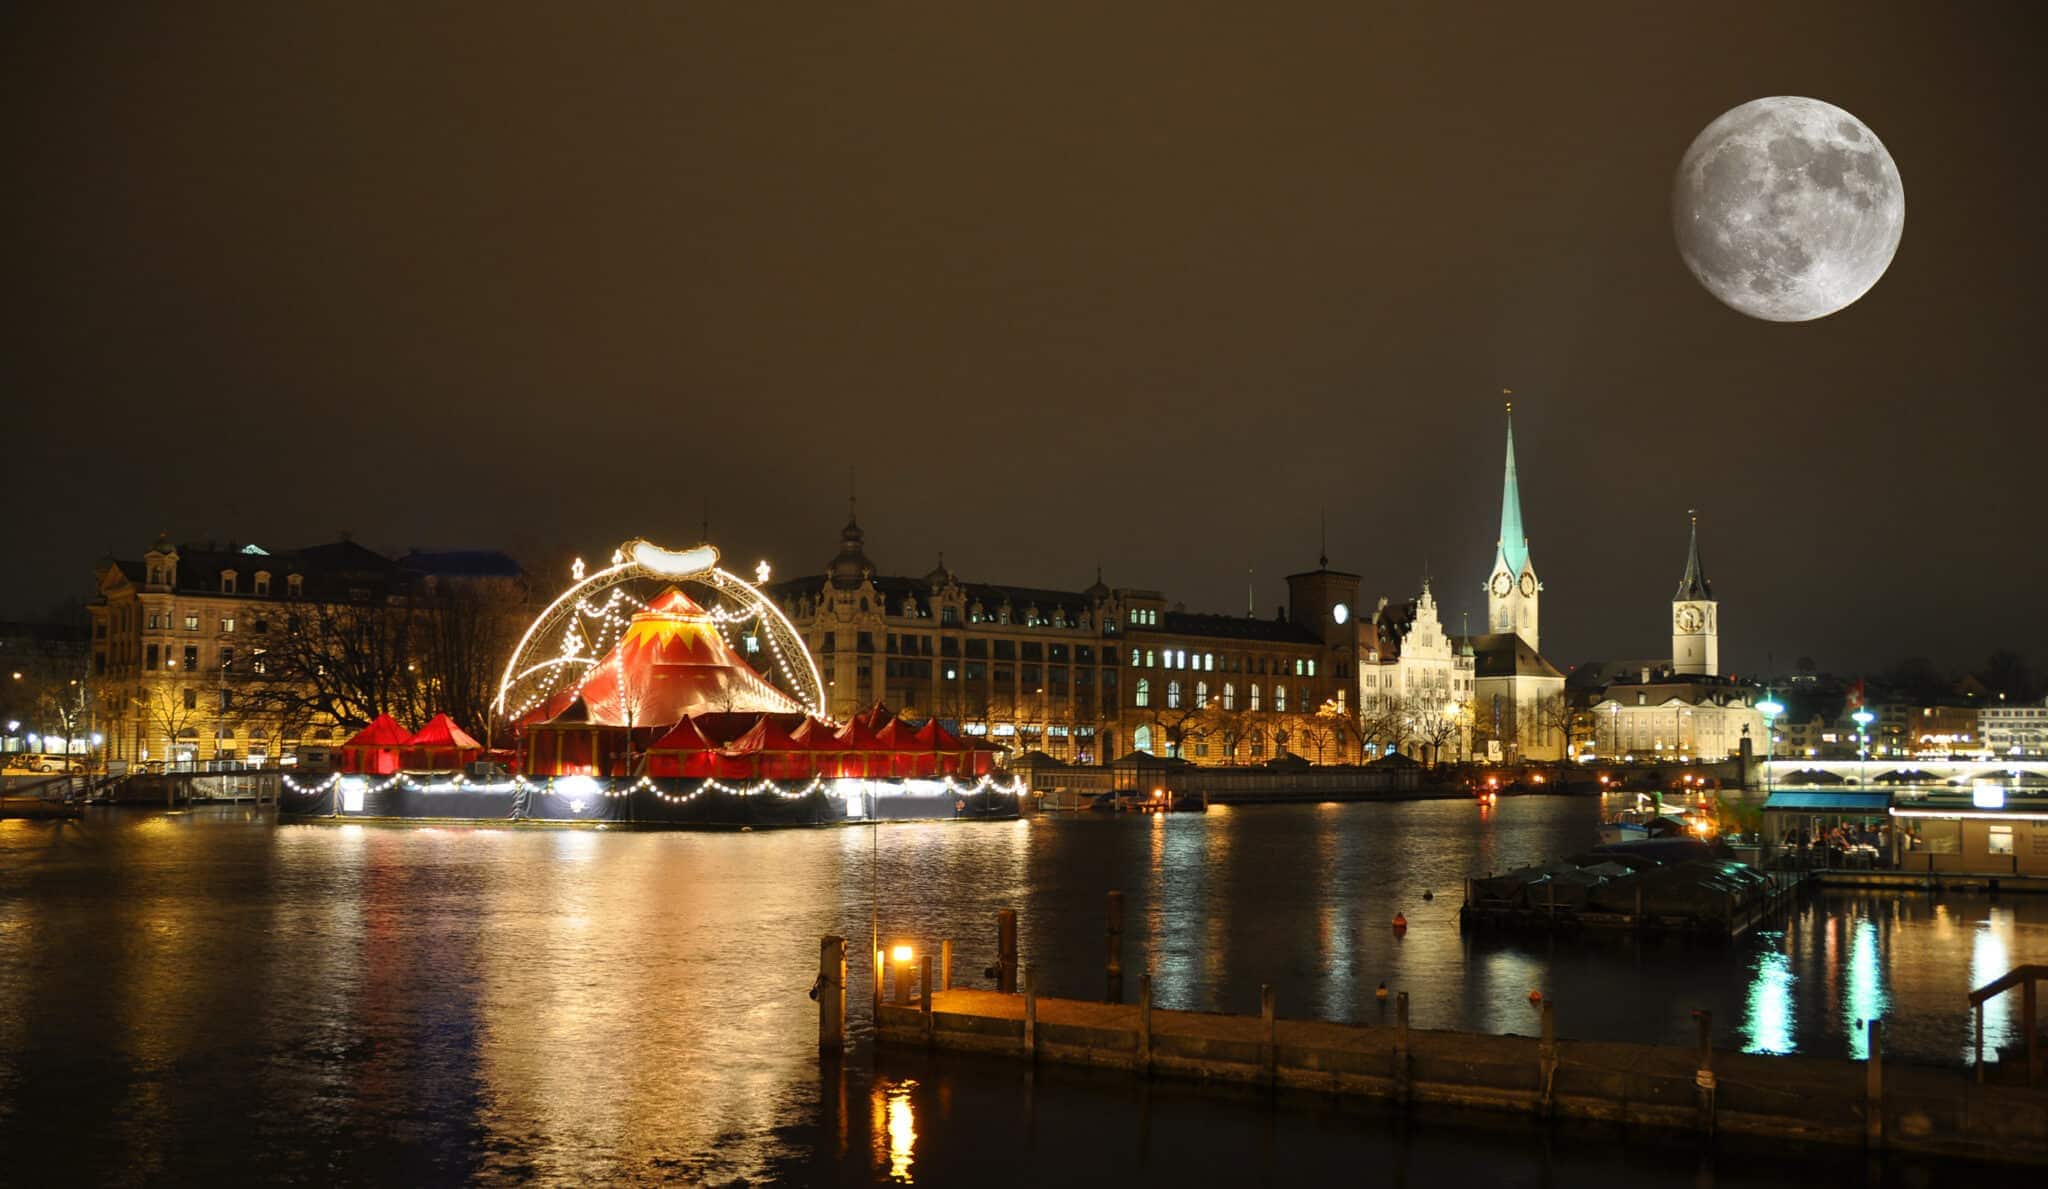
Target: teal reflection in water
(1770, 1003)
(1863, 996)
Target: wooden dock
(1873, 1104)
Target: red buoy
(1400, 923)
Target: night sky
(1153, 285)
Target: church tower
(1695, 617)
(1511, 588)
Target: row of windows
(1144, 617)
(163, 622)
(168, 659)
(230, 581)
(1178, 658)
(1142, 696)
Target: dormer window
(262, 583)
(294, 585)
(228, 581)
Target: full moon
(1787, 209)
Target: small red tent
(440, 745)
(775, 752)
(942, 746)
(904, 759)
(684, 751)
(374, 749)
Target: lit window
(1279, 699)
(191, 623)
(1208, 662)
(227, 623)
(1255, 696)
(1999, 840)
(1144, 694)
(1229, 696)
(1201, 695)
(1173, 695)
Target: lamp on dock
(900, 956)
(1770, 708)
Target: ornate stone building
(1416, 681)
(1084, 675)
(180, 636)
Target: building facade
(186, 639)
(1416, 682)
(1083, 675)
(2020, 729)
(1683, 710)
(1517, 706)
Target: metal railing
(2025, 978)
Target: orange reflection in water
(895, 1128)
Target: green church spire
(1514, 542)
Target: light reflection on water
(214, 995)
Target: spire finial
(1508, 392)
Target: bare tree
(1181, 724)
(1554, 714)
(169, 712)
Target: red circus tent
(440, 745)
(672, 663)
(374, 749)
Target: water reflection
(1769, 1020)
(895, 1128)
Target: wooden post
(1006, 951)
(1873, 1085)
(924, 997)
(1030, 1015)
(1704, 1079)
(1547, 1055)
(946, 965)
(902, 996)
(1401, 1048)
(1145, 1024)
(2029, 1021)
(831, 995)
(1270, 1056)
(1115, 990)
(1978, 1011)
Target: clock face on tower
(1529, 585)
(1502, 584)
(1689, 619)
(1340, 613)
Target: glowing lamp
(901, 954)
(672, 562)
(1988, 796)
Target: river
(193, 997)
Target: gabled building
(1682, 710)
(1416, 681)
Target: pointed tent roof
(684, 736)
(1694, 584)
(672, 663)
(857, 735)
(441, 731)
(1514, 540)
(383, 731)
(935, 737)
(769, 735)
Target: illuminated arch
(580, 626)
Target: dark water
(208, 996)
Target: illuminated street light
(1863, 719)
(1770, 708)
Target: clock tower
(1512, 587)
(1695, 617)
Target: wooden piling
(1977, 1010)
(831, 994)
(1145, 1024)
(902, 981)
(1401, 1048)
(1704, 1079)
(1873, 1085)
(1006, 950)
(1547, 1056)
(1270, 1047)
(946, 965)
(1030, 1015)
(1114, 993)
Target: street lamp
(1863, 718)
(1770, 708)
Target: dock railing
(2027, 979)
